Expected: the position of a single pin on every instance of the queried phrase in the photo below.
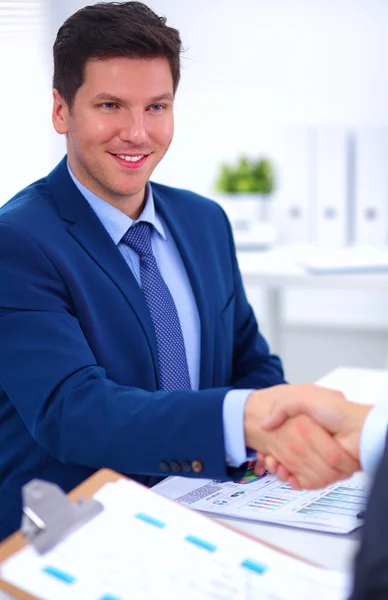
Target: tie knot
(138, 237)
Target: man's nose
(134, 129)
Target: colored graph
(250, 475)
(269, 502)
(342, 500)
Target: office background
(251, 72)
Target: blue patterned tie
(173, 370)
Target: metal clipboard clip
(49, 516)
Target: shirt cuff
(233, 420)
(373, 438)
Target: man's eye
(108, 105)
(157, 107)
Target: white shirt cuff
(233, 421)
(373, 437)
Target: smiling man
(117, 136)
(126, 339)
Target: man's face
(119, 128)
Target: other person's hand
(328, 408)
(305, 453)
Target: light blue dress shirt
(174, 274)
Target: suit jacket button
(186, 466)
(197, 466)
(175, 467)
(165, 466)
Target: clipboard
(16, 541)
(84, 491)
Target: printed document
(333, 509)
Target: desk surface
(277, 268)
(329, 550)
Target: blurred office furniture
(295, 210)
(332, 186)
(331, 189)
(250, 218)
(276, 270)
(253, 235)
(371, 186)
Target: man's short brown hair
(108, 30)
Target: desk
(275, 270)
(329, 550)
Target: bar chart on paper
(279, 498)
(268, 503)
(332, 509)
(342, 500)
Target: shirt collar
(114, 220)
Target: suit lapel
(87, 229)
(192, 248)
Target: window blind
(16, 17)
(25, 104)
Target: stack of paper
(350, 259)
(333, 509)
(143, 546)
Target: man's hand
(328, 408)
(302, 446)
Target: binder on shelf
(371, 186)
(130, 542)
(332, 187)
(296, 197)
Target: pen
(361, 514)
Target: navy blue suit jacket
(371, 566)
(78, 359)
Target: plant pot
(244, 209)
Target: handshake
(307, 435)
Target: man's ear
(60, 114)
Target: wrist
(257, 407)
(373, 438)
(354, 426)
(360, 414)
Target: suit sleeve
(64, 398)
(253, 364)
(371, 566)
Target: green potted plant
(245, 187)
